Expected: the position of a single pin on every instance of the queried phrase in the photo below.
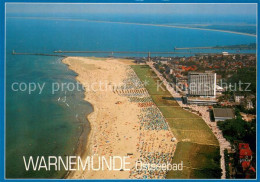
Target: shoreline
(93, 129)
(174, 26)
(143, 24)
(115, 130)
(85, 134)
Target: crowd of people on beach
(155, 140)
(140, 99)
(152, 119)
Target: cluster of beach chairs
(132, 81)
(147, 104)
(152, 119)
(155, 145)
(131, 87)
(156, 151)
(132, 92)
(140, 99)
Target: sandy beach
(123, 119)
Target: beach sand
(115, 122)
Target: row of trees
(238, 129)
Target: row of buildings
(199, 86)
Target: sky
(187, 9)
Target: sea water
(50, 124)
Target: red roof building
(245, 153)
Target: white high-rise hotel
(202, 84)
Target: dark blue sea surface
(50, 124)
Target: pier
(121, 52)
(37, 54)
(58, 53)
(149, 53)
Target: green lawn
(193, 130)
(164, 100)
(197, 148)
(176, 112)
(200, 161)
(147, 75)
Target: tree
(238, 129)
